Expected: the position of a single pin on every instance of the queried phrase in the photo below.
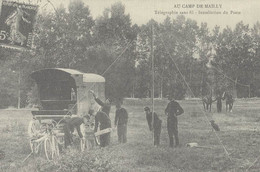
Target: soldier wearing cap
(69, 127)
(173, 110)
(157, 125)
(106, 106)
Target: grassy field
(239, 134)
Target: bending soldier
(121, 119)
(173, 110)
(69, 127)
(156, 127)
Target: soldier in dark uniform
(219, 102)
(106, 106)
(121, 119)
(103, 119)
(173, 110)
(157, 125)
(69, 127)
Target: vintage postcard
(129, 85)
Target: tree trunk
(133, 91)
(201, 83)
(190, 75)
(161, 89)
(235, 88)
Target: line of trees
(71, 38)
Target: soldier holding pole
(173, 110)
(156, 128)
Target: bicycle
(46, 136)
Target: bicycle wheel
(48, 149)
(55, 147)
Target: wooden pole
(249, 91)
(19, 88)
(19, 81)
(152, 54)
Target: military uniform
(105, 106)
(121, 119)
(69, 127)
(173, 109)
(157, 125)
(219, 103)
(105, 122)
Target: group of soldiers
(103, 121)
(207, 101)
(172, 110)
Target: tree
(115, 33)
(255, 51)
(63, 38)
(234, 59)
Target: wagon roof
(91, 77)
(70, 71)
(87, 77)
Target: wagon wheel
(97, 138)
(48, 149)
(82, 144)
(60, 142)
(33, 128)
(53, 124)
(47, 125)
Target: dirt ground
(239, 136)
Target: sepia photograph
(129, 86)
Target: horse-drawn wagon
(62, 93)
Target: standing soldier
(157, 125)
(219, 102)
(173, 110)
(121, 119)
(106, 106)
(103, 119)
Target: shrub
(73, 160)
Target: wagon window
(50, 91)
(66, 89)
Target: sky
(141, 11)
